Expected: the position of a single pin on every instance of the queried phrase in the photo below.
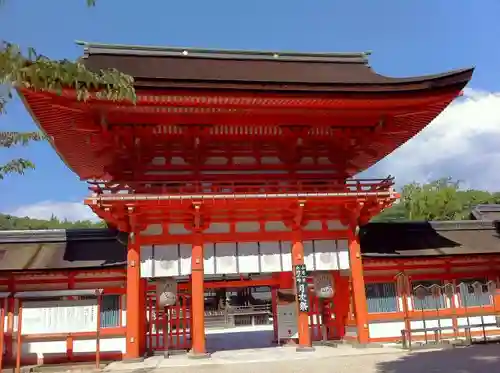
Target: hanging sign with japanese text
(301, 286)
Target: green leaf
(17, 166)
(36, 71)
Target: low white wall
(62, 317)
(392, 329)
(387, 329)
(41, 348)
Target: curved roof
(155, 67)
(181, 86)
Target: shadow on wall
(475, 359)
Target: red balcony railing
(243, 187)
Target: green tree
(442, 199)
(395, 213)
(26, 69)
(8, 223)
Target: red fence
(320, 319)
(169, 328)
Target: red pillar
(358, 285)
(143, 316)
(341, 304)
(197, 300)
(303, 317)
(134, 312)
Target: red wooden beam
(169, 239)
(211, 100)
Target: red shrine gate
(239, 162)
(314, 202)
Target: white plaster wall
(386, 329)
(393, 328)
(476, 320)
(115, 344)
(58, 346)
(429, 323)
(243, 257)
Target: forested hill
(8, 222)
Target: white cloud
(463, 143)
(71, 211)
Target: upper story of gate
(205, 116)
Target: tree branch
(37, 72)
(10, 139)
(41, 73)
(17, 166)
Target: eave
(272, 71)
(233, 86)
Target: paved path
(477, 359)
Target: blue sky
(410, 37)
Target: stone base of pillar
(165, 354)
(130, 360)
(356, 344)
(305, 349)
(197, 355)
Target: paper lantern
(324, 285)
(166, 292)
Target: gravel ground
(477, 359)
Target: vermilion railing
(244, 187)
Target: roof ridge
(56, 235)
(441, 225)
(96, 48)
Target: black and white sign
(301, 286)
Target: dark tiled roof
(160, 67)
(486, 212)
(85, 248)
(430, 238)
(60, 249)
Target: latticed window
(428, 295)
(381, 297)
(474, 292)
(110, 311)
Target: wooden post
(134, 328)
(274, 309)
(197, 299)
(19, 347)
(98, 331)
(2, 332)
(402, 283)
(302, 317)
(9, 336)
(358, 285)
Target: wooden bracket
(197, 223)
